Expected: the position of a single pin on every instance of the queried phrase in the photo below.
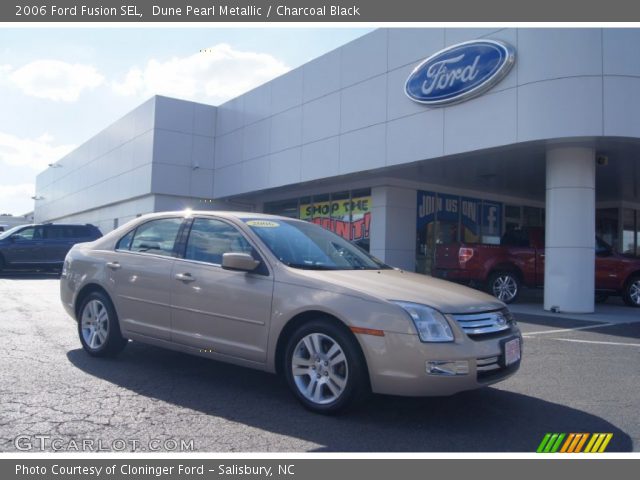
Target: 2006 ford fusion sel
(286, 296)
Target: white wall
(113, 166)
(164, 147)
(346, 111)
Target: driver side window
(209, 239)
(28, 234)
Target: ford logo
(460, 72)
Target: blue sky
(59, 87)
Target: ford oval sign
(460, 72)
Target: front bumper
(398, 363)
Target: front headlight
(430, 323)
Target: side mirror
(14, 237)
(239, 261)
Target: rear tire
(631, 292)
(504, 285)
(324, 367)
(98, 326)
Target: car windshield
(10, 232)
(307, 246)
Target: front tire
(324, 367)
(98, 326)
(505, 286)
(631, 292)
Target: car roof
(219, 213)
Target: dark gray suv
(42, 246)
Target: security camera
(602, 160)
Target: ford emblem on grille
(460, 72)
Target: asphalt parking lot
(576, 376)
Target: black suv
(42, 246)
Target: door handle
(114, 265)
(184, 277)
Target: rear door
(58, 241)
(227, 312)
(140, 272)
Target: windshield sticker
(263, 223)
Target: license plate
(511, 351)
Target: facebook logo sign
(492, 218)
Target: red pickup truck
(519, 260)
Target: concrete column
(569, 274)
(393, 226)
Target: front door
(26, 247)
(221, 311)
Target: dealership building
(400, 140)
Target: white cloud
(19, 191)
(33, 153)
(216, 74)
(16, 199)
(54, 79)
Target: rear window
(156, 236)
(67, 231)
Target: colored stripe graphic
(551, 443)
(574, 442)
(604, 445)
(581, 443)
(599, 442)
(544, 441)
(567, 443)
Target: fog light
(447, 368)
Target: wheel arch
(506, 267)
(300, 319)
(84, 292)
(633, 274)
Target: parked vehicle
(519, 260)
(286, 296)
(42, 246)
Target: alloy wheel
(634, 292)
(505, 288)
(95, 324)
(320, 368)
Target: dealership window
(630, 245)
(287, 208)
(346, 213)
(619, 227)
(444, 219)
(607, 220)
(517, 217)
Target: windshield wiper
(311, 266)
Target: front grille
(485, 323)
(489, 369)
(487, 364)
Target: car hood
(447, 297)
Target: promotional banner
(351, 219)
